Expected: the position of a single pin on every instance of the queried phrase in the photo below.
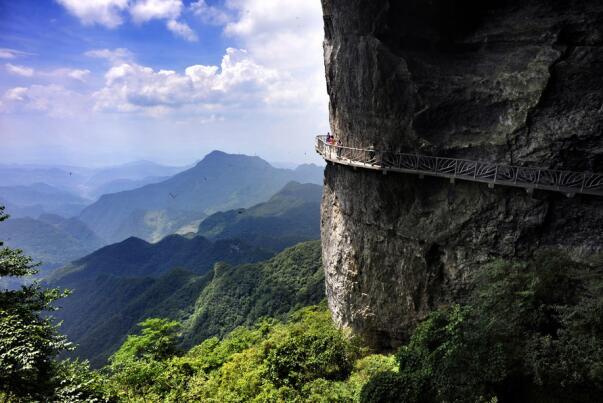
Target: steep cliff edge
(507, 81)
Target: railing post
(538, 178)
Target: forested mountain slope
(135, 258)
(105, 307)
(290, 216)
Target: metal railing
(529, 178)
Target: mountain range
(204, 281)
(46, 220)
(39, 198)
(86, 183)
(219, 182)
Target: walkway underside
(567, 182)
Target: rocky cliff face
(519, 82)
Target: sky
(102, 82)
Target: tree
(75, 382)
(29, 341)
(140, 362)
(310, 349)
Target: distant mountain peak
(308, 166)
(302, 191)
(291, 185)
(216, 154)
(127, 244)
(137, 163)
(218, 157)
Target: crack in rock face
(511, 81)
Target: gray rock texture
(517, 82)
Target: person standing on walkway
(371, 155)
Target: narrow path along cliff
(528, 178)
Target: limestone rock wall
(519, 82)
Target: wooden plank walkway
(529, 178)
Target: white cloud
(237, 82)
(113, 56)
(6, 53)
(75, 74)
(102, 12)
(280, 66)
(209, 14)
(109, 13)
(16, 94)
(286, 36)
(53, 100)
(19, 70)
(146, 10)
(182, 30)
(169, 10)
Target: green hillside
(303, 358)
(528, 332)
(106, 304)
(240, 295)
(290, 216)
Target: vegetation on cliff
(303, 359)
(532, 332)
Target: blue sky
(101, 82)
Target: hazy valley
(248, 211)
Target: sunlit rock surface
(518, 82)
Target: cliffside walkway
(529, 178)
